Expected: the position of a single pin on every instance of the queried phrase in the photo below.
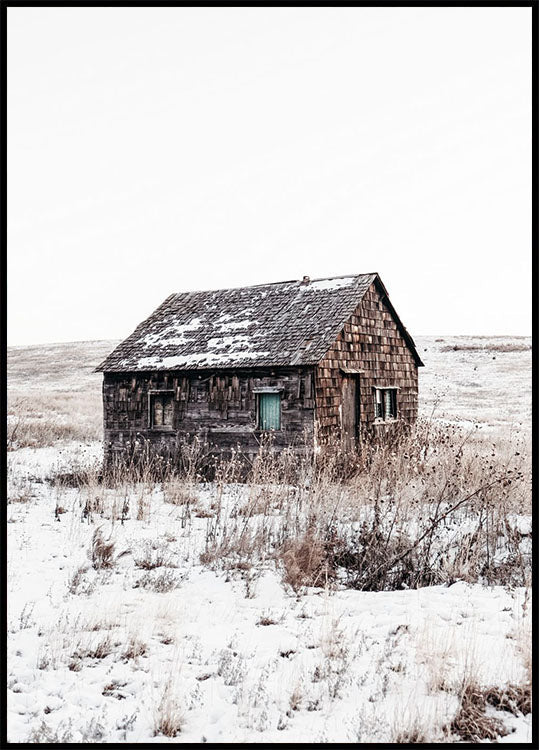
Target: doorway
(350, 412)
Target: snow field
(159, 646)
(227, 654)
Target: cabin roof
(282, 324)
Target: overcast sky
(156, 150)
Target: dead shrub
(304, 561)
(101, 552)
(375, 562)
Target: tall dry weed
(434, 505)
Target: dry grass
(471, 723)
(101, 552)
(97, 650)
(516, 699)
(45, 734)
(154, 556)
(45, 419)
(266, 620)
(134, 648)
(474, 722)
(53, 393)
(304, 561)
(168, 719)
(436, 506)
(79, 584)
(490, 347)
(161, 583)
(413, 735)
(19, 490)
(179, 493)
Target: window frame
(381, 390)
(267, 392)
(165, 393)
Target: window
(269, 411)
(161, 409)
(385, 403)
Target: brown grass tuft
(304, 560)
(168, 718)
(414, 735)
(471, 722)
(517, 699)
(134, 648)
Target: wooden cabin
(318, 362)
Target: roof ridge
(345, 276)
(271, 283)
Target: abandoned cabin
(321, 362)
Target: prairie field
(386, 601)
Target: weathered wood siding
(371, 342)
(217, 406)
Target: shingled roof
(288, 323)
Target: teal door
(269, 411)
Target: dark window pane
(168, 410)
(393, 403)
(157, 411)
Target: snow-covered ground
(94, 654)
(158, 646)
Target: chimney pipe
(306, 281)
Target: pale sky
(157, 150)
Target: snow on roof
(290, 322)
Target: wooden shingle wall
(371, 342)
(218, 406)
